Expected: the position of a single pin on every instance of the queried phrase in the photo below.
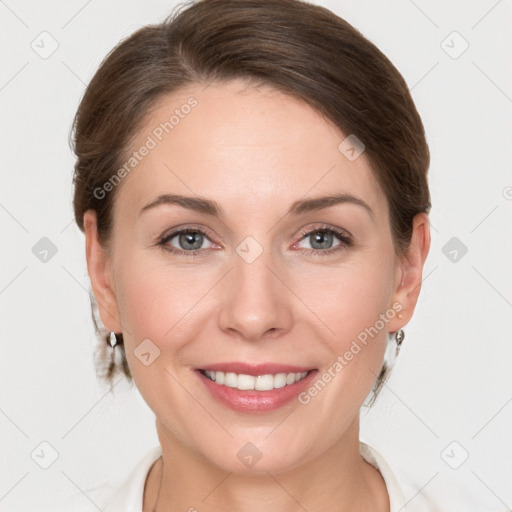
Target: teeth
(264, 383)
(244, 382)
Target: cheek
(349, 298)
(353, 306)
(153, 296)
(164, 304)
(352, 302)
(156, 303)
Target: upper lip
(255, 369)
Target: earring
(399, 337)
(116, 357)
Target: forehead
(217, 139)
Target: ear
(409, 272)
(100, 274)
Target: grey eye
(190, 241)
(321, 240)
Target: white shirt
(129, 496)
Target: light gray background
(452, 380)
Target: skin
(255, 151)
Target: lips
(235, 386)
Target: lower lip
(256, 401)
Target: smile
(245, 382)
(254, 388)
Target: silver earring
(116, 356)
(113, 339)
(399, 337)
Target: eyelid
(324, 227)
(176, 230)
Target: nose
(255, 301)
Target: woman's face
(269, 274)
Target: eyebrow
(210, 207)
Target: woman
(251, 182)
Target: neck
(339, 479)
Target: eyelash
(345, 240)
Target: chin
(254, 455)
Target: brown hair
(299, 48)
